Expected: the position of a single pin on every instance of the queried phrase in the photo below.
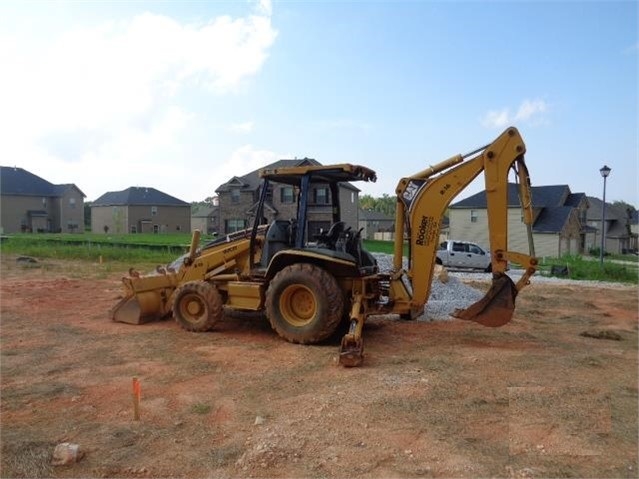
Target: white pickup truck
(462, 254)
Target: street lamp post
(605, 171)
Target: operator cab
(339, 242)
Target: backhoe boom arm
(422, 200)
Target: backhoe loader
(307, 286)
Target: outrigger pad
(496, 307)
(351, 352)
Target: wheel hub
(194, 308)
(298, 305)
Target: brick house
(140, 210)
(238, 199)
(32, 204)
(206, 219)
(559, 225)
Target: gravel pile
(445, 298)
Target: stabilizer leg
(351, 351)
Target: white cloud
(496, 119)
(245, 127)
(104, 99)
(242, 161)
(265, 7)
(529, 111)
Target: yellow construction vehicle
(307, 286)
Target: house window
(134, 229)
(154, 210)
(352, 197)
(156, 229)
(473, 216)
(44, 202)
(178, 228)
(321, 196)
(287, 195)
(72, 202)
(234, 225)
(235, 195)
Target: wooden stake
(137, 391)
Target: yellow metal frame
(428, 196)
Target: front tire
(197, 306)
(304, 304)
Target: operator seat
(329, 239)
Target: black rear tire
(304, 304)
(197, 306)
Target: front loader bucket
(138, 309)
(496, 307)
(127, 311)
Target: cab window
(460, 247)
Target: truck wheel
(304, 303)
(438, 261)
(197, 306)
(489, 268)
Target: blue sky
(181, 96)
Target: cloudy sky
(181, 96)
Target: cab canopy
(292, 175)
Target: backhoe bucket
(496, 307)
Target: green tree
(624, 206)
(367, 202)
(385, 204)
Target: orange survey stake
(137, 391)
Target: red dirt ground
(534, 398)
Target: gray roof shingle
(552, 219)
(542, 196)
(140, 196)
(20, 182)
(370, 215)
(556, 203)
